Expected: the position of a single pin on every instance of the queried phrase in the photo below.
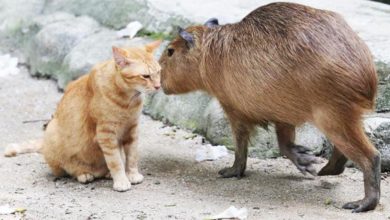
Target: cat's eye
(146, 76)
(170, 51)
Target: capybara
(284, 64)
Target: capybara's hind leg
(335, 165)
(301, 156)
(348, 136)
(242, 132)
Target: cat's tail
(32, 146)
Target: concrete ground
(175, 185)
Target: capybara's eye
(170, 51)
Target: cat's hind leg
(85, 178)
(94, 173)
(56, 168)
(81, 171)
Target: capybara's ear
(120, 57)
(212, 22)
(151, 47)
(186, 36)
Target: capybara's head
(180, 61)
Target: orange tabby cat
(94, 131)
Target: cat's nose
(157, 87)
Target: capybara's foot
(122, 185)
(364, 205)
(85, 178)
(135, 178)
(234, 171)
(331, 170)
(303, 159)
(335, 165)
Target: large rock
(383, 70)
(54, 41)
(383, 99)
(13, 14)
(377, 128)
(185, 110)
(118, 13)
(215, 125)
(381, 137)
(111, 13)
(31, 27)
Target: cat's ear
(120, 57)
(151, 47)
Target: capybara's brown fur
(286, 64)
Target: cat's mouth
(136, 96)
(149, 91)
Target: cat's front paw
(122, 185)
(135, 178)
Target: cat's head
(138, 67)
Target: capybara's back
(291, 60)
(286, 64)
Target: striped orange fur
(94, 133)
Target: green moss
(191, 124)
(328, 201)
(383, 98)
(154, 35)
(383, 70)
(273, 153)
(227, 142)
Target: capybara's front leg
(301, 156)
(241, 132)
